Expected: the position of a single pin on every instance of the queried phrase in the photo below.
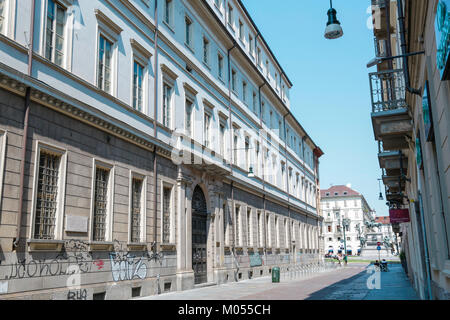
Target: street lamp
(345, 223)
(379, 186)
(334, 29)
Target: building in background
(411, 115)
(147, 148)
(338, 203)
(391, 239)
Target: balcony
(391, 120)
(394, 163)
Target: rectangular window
(257, 159)
(238, 226)
(100, 203)
(286, 234)
(247, 154)
(166, 210)
(220, 65)
(136, 210)
(3, 14)
(188, 32)
(230, 16)
(255, 102)
(188, 124)
(235, 149)
(259, 230)
(269, 232)
(168, 12)
(249, 222)
(47, 196)
(138, 78)
(277, 231)
(104, 64)
(207, 126)
(250, 44)
(167, 105)
(244, 91)
(241, 30)
(233, 80)
(222, 139)
(54, 42)
(205, 50)
(258, 57)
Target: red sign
(378, 243)
(399, 215)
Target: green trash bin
(276, 275)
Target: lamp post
(345, 224)
(334, 29)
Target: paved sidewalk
(346, 283)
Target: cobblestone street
(346, 283)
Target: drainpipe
(287, 186)
(25, 128)
(155, 131)
(232, 146)
(401, 20)
(263, 172)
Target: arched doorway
(199, 236)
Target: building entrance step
(204, 285)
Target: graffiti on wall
(125, 266)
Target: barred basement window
(166, 215)
(47, 195)
(249, 222)
(100, 203)
(136, 210)
(54, 44)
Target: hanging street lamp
(334, 29)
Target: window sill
(171, 28)
(101, 246)
(207, 66)
(136, 246)
(168, 247)
(45, 245)
(189, 47)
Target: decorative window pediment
(107, 25)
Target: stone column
(181, 221)
(185, 274)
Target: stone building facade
(411, 115)
(338, 203)
(146, 146)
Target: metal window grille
(47, 195)
(166, 215)
(249, 222)
(136, 210)
(138, 74)
(100, 203)
(238, 231)
(104, 64)
(2, 14)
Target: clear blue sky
(330, 97)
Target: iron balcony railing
(379, 3)
(387, 90)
